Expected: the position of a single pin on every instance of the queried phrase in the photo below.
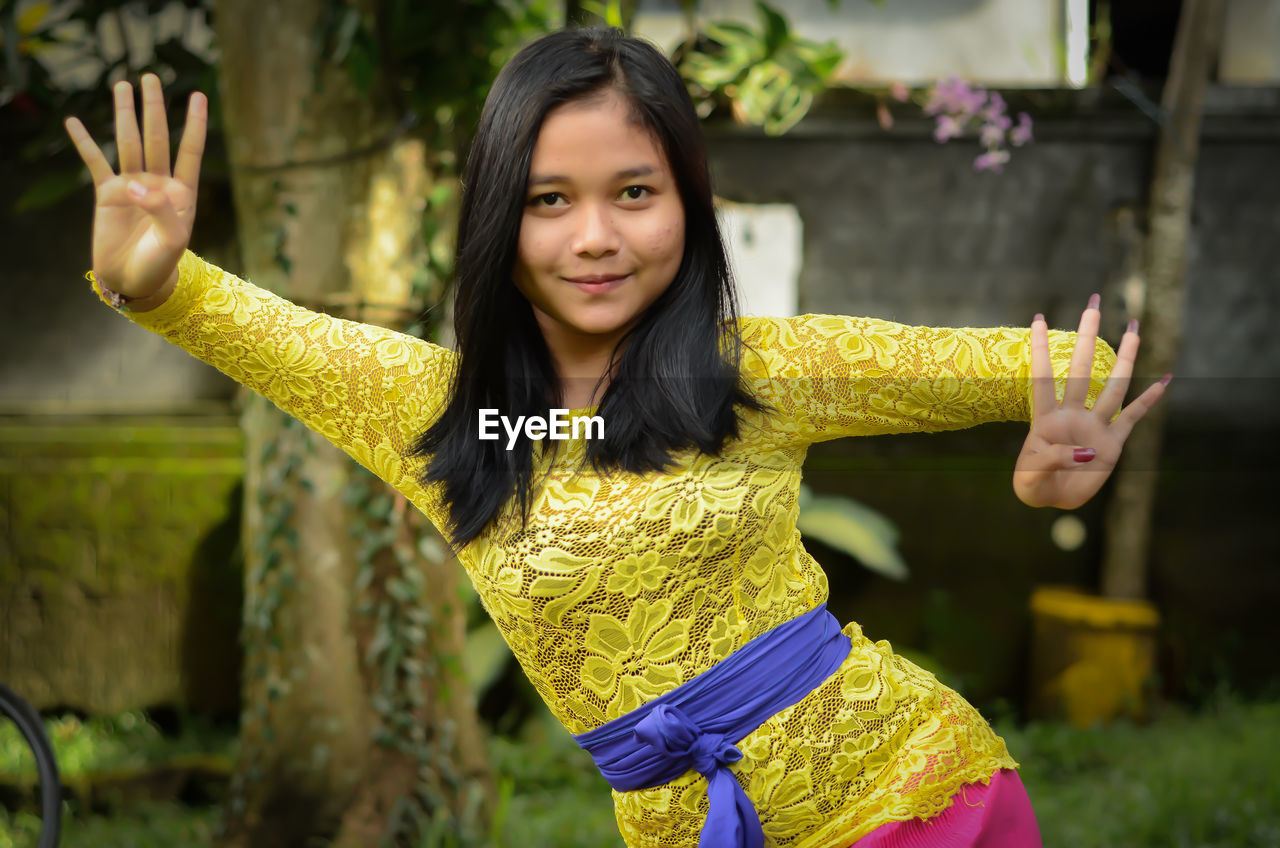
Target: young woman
(650, 578)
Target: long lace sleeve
(836, 375)
(367, 389)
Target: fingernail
(137, 189)
(1094, 300)
(1084, 454)
(1133, 326)
(1039, 317)
(1164, 381)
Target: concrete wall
(899, 227)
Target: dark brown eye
(631, 192)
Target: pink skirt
(994, 815)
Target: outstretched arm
(367, 389)
(840, 375)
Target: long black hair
(677, 377)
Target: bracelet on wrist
(114, 298)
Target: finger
(191, 150)
(1043, 398)
(155, 126)
(1141, 405)
(128, 142)
(1081, 368)
(1112, 396)
(99, 168)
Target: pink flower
(992, 160)
(947, 128)
(970, 102)
(1021, 134)
(898, 91)
(948, 95)
(993, 112)
(957, 106)
(884, 117)
(991, 135)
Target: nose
(595, 234)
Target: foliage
(769, 75)
(433, 63)
(32, 95)
(854, 528)
(1204, 779)
(82, 746)
(151, 825)
(552, 792)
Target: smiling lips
(598, 283)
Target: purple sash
(696, 724)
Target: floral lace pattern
(622, 587)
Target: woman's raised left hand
(1071, 450)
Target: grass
(552, 794)
(143, 826)
(128, 740)
(1204, 780)
(1207, 780)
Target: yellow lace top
(623, 587)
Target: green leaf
(776, 30)
(823, 59)
(379, 643)
(431, 548)
(362, 64)
(346, 32)
(711, 72)
(401, 590)
(484, 657)
(846, 525)
(441, 193)
(613, 14)
(735, 36)
(792, 105)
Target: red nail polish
(1084, 454)
(1094, 300)
(1164, 381)
(1133, 326)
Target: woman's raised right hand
(139, 236)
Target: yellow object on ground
(1093, 658)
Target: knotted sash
(696, 724)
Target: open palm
(143, 216)
(1055, 467)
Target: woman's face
(602, 234)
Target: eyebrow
(625, 174)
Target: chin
(603, 329)
(601, 325)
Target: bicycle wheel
(28, 721)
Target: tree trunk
(1127, 526)
(336, 727)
